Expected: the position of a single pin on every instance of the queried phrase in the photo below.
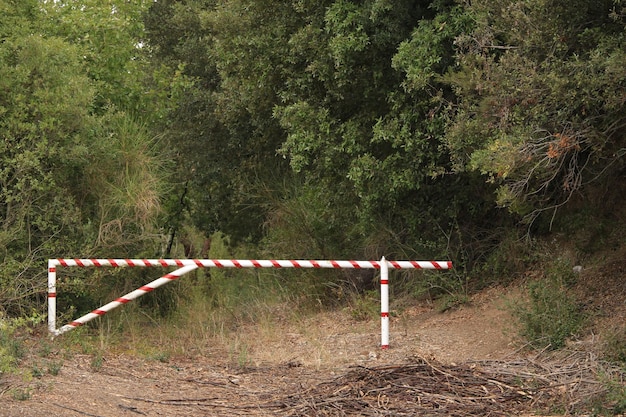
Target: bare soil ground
(460, 362)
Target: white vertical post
(52, 295)
(384, 304)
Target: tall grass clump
(213, 303)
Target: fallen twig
(75, 410)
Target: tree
(539, 109)
(44, 100)
(111, 37)
(77, 176)
(222, 128)
(326, 86)
(365, 111)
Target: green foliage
(11, 347)
(54, 367)
(551, 314)
(110, 36)
(334, 127)
(617, 398)
(537, 109)
(79, 170)
(449, 289)
(365, 306)
(611, 402)
(129, 180)
(16, 17)
(43, 115)
(323, 129)
(225, 80)
(503, 258)
(12, 331)
(21, 394)
(217, 301)
(315, 81)
(615, 345)
(96, 362)
(302, 225)
(363, 127)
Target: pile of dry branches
(423, 387)
(568, 381)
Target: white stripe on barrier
(188, 265)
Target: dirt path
(285, 359)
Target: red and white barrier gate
(188, 265)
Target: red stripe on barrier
(355, 264)
(78, 262)
(96, 263)
(145, 288)
(449, 264)
(237, 264)
(436, 265)
(256, 263)
(218, 264)
(52, 295)
(375, 264)
(315, 264)
(129, 262)
(384, 314)
(62, 262)
(123, 300)
(276, 264)
(99, 312)
(395, 264)
(198, 263)
(179, 262)
(416, 265)
(295, 264)
(52, 270)
(384, 282)
(334, 264)
(112, 262)
(76, 324)
(146, 262)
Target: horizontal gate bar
(249, 263)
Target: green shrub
(11, 347)
(54, 367)
(611, 402)
(365, 306)
(21, 394)
(615, 345)
(551, 313)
